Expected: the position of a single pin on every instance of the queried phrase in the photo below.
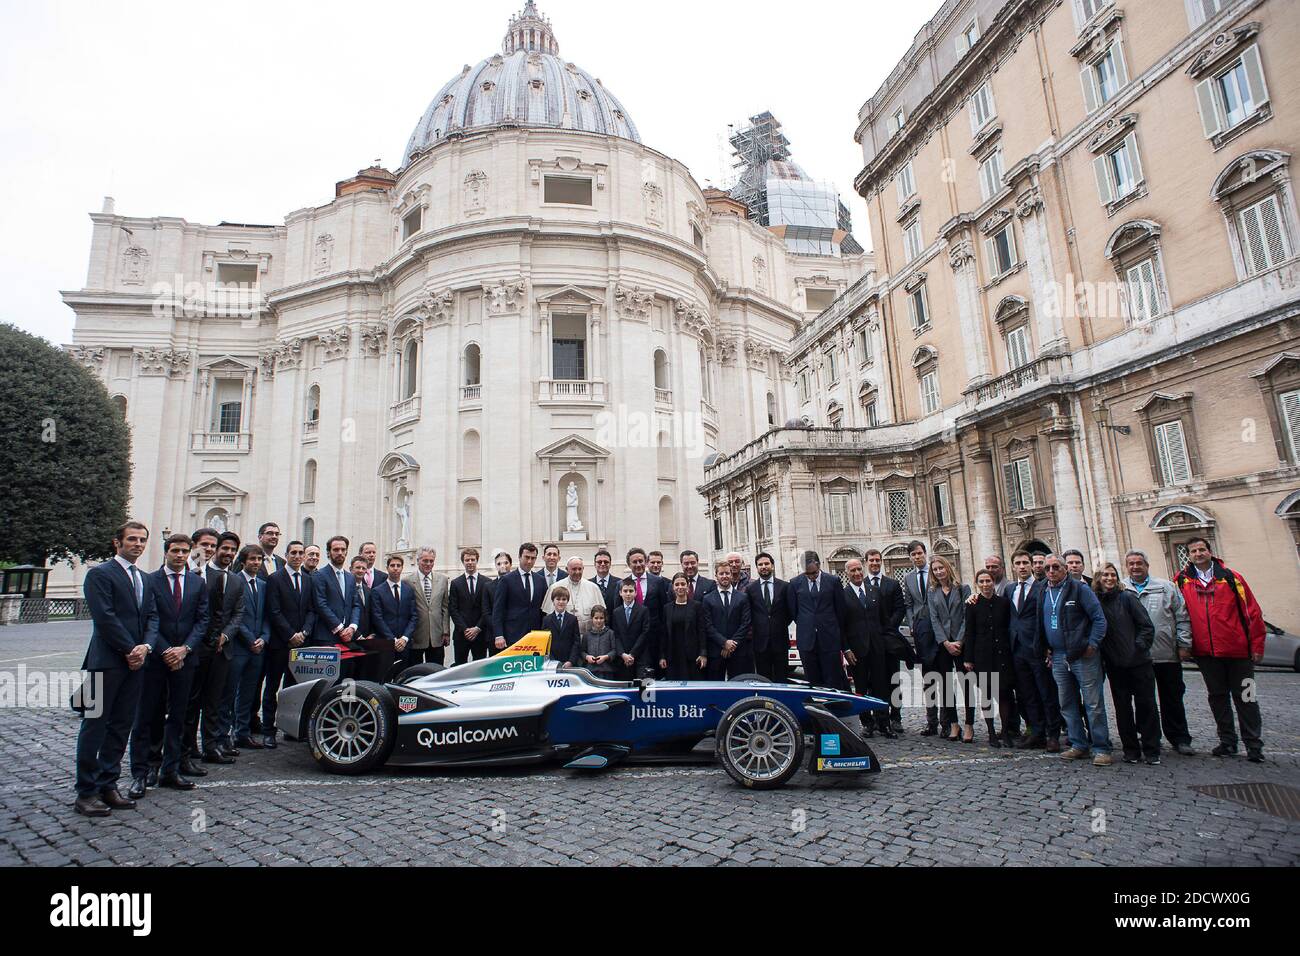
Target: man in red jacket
(1227, 642)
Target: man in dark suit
(697, 585)
(225, 615)
(334, 594)
(247, 656)
(605, 580)
(654, 593)
(771, 621)
(889, 650)
(395, 612)
(123, 636)
(916, 591)
(816, 605)
(861, 628)
(470, 607)
(182, 604)
(551, 570)
(630, 623)
(562, 625)
(268, 538)
(517, 601)
(1036, 694)
(292, 613)
(727, 624)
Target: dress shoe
(1009, 741)
(888, 732)
(1255, 756)
(1074, 753)
(92, 807)
(116, 801)
(228, 750)
(217, 756)
(1102, 760)
(995, 742)
(1032, 742)
(1223, 750)
(1185, 749)
(249, 743)
(930, 732)
(190, 769)
(269, 742)
(1153, 760)
(151, 781)
(174, 782)
(139, 787)
(1132, 758)
(897, 727)
(1053, 745)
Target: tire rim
(760, 745)
(346, 730)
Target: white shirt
(172, 578)
(1205, 576)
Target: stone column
(983, 503)
(1071, 529)
(975, 346)
(1048, 304)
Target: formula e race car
(520, 708)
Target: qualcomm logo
(451, 738)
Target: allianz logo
(459, 735)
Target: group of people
(185, 663)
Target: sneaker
(1153, 761)
(1223, 750)
(1102, 760)
(1074, 753)
(1132, 758)
(1255, 756)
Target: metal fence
(44, 610)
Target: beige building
(1082, 331)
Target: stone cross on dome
(530, 31)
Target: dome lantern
(531, 32)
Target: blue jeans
(241, 691)
(1085, 677)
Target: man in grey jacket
(1168, 611)
(916, 586)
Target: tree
(65, 454)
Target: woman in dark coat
(685, 653)
(986, 654)
(1126, 651)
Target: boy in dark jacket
(598, 650)
(1127, 653)
(562, 625)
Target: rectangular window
(1290, 402)
(1199, 11)
(742, 524)
(1264, 244)
(1018, 347)
(906, 183)
(1234, 95)
(805, 389)
(919, 308)
(982, 110)
(228, 406)
(872, 418)
(991, 175)
(968, 37)
(1171, 449)
(1143, 295)
(1104, 78)
(819, 300)
(717, 534)
(568, 190)
(839, 509)
(1001, 251)
(866, 346)
(912, 240)
(232, 276)
(569, 348)
(900, 512)
(1085, 10)
(929, 393)
(1119, 171)
(412, 223)
(900, 119)
(832, 367)
(1019, 479)
(942, 508)
(697, 237)
(764, 518)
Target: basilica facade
(537, 328)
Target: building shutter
(1175, 468)
(1026, 479)
(1091, 95)
(1252, 240)
(1291, 423)
(1121, 68)
(1212, 120)
(1254, 76)
(1101, 166)
(1013, 493)
(1134, 163)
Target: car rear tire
(760, 743)
(353, 728)
(417, 671)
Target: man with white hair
(583, 595)
(432, 598)
(1167, 609)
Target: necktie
(343, 588)
(921, 578)
(692, 590)
(640, 594)
(397, 594)
(528, 587)
(862, 597)
(428, 590)
(767, 594)
(471, 589)
(1020, 594)
(137, 585)
(726, 600)
(814, 587)
(297, 583)
(627, 611)
(176, 591)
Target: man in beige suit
(431, 596)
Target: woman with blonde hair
(947, 602)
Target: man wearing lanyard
(1074, 626)
(1168, 612)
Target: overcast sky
(244, 111)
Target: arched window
(119, 402)
(313, 404)
(308, 532)
(667, 463)
(661, 370)
(410, 370)
(471, 455)
(667, 521)
(473, 366)
(309, 481)
(771, 410)
(471, 531)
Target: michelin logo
(452, 738)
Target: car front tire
(353, 728)
(760, 743)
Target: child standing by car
(598, 649)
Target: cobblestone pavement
(936, 803)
